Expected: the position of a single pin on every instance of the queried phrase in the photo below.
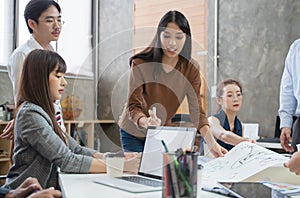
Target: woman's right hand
(217, 150)
(153, 120)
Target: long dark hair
(154, 51)
(35, 8)
(34, 82)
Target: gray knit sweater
(38, 151)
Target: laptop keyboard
(144, 181)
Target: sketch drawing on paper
(241, 162)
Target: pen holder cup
(180, 175)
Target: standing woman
(161, 76)
(40, 145)
(225, 125)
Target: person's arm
(31, 192)
(8, 131)
(36, 131)
(14, 67)
(287, 100)
(135, 93)
(226, 136)
(213, 146)
(197, 113)
(30, 188)
(136, 102)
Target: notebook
(150, 169)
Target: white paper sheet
(241, 162)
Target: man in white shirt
(43, 19)
(290, 106)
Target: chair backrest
(181, 118)
(277, 126)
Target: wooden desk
(82, 185)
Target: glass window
(6, 31)
(75, 43)
(76, 40)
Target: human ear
(219, 100)
(31, 23)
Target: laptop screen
(174, 137)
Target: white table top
(82, 185)
(270, 145)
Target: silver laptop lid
(174, 137)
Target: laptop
(149, 176)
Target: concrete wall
(6, 93)
(253, 40)
(115, 44)
(115, 48)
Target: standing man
(290, 105)
(43, 19)
(290, 99)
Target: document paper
(241, 162)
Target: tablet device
(249, 189)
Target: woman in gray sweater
(40, 146)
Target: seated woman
(225, 125)
(40, 145)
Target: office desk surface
(270, 145)
(82, 185)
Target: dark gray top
(38, 151)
